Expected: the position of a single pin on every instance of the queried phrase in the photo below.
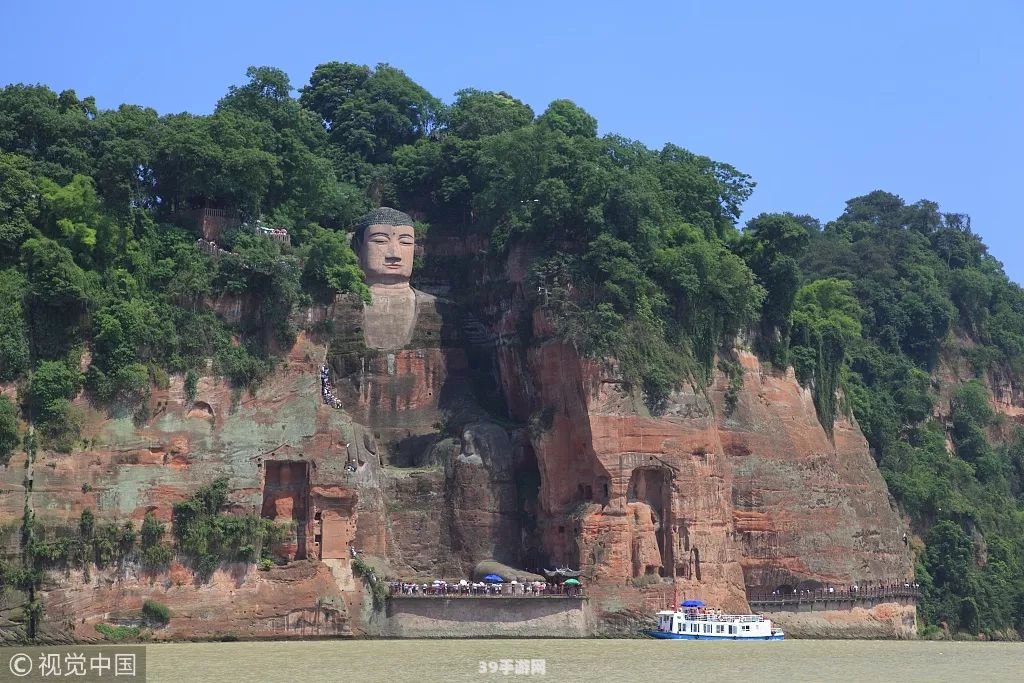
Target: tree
(478, 113)
(52, 382)
(19, 203)
(14, 346)
(8, 429)
(332, 267)
(771, 245)
(949, 560)
(568, 118)
(368, 113)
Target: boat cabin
(697, 622)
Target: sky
(818, 101)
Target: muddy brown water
(592, 661)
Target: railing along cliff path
(821, 595)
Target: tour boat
(694, 621)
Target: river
(590, 661)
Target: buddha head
(385, 241)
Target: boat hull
(664, 635)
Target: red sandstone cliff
(725, 498)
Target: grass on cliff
(119, 634)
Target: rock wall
(476, 440)
(897, 620)
(300, 600)
(750, 495)
(488, 618)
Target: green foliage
(118, 634)
(476, 114)
(825, 324)
(191, 384)
(52, 386)
(734, 372)
(155, 554)
(207, 537)
(8, 429)
(634, 256)
(14, 333)
(156, 612)
(378, 590)
(892, 281)
(771, 245)
(332, 267)
(240, 365)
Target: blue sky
(818, 101)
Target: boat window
(719, 628)
(693, 628)
(732, 629)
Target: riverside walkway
(847, 594)
(504, 590)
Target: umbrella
(692, 603)
(493, 578)
(572, 582)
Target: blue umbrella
(493, 578)
(692, 603)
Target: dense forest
(640, 253)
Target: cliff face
(466, 444)
(752, 495)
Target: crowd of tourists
(464, 588)
(866, 589)
(325, 388)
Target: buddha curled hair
(385, 215)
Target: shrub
(157, 556)
(152, 531)
(156, 612)
(209, 538)
(191, 384)
(378, 591)
(118, 633)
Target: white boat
(695, 621)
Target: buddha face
(386, 254)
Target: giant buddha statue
(385, 240)
(397, 363)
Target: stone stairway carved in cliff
(475, 332)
